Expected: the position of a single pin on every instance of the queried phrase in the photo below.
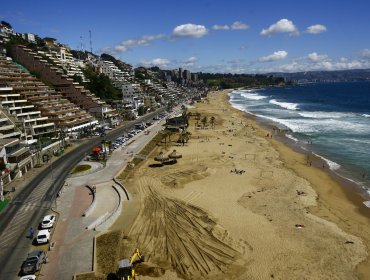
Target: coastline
(244, 206)
(341, 194)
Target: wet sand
(240, 205)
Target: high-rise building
(180, 72)
(187, 75)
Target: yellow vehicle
(126, 270)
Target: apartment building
(25, 116)
(65, 85)
(51, 104)
(117, 76)
(15, 158)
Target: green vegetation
(6, 24)
(101, 85)
(81, 168)
(225, 81)
(120, 64)
(3, 204)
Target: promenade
(72, 242)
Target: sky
(234, 36)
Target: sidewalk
(73, 250)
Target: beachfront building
(66, 86)
(51, 104)
(15, 158)
(116, 75)
(25, 116)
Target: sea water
(332, 120)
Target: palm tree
(184, 137)
(197, 118)
(166, 133)
(204, 121)
(212, 121)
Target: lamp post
(1, 190)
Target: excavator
(126, 270)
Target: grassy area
(81, 168)
(107, 254)
(3, 204)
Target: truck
(33, 262)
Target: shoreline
(235, 190)
(342, 172)
(357, 193)
(345, 190)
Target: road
(30, 205)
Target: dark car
(33, 262)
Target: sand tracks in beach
(172, 232)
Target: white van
(43, 236)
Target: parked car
(43, 236)
(28, 277)
(33, 262)
(48, 221)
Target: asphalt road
(34, 201)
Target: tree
(197, 118)
(6, 24)
(212, 121)
(184, 137)
(204, 121)
(141, 110)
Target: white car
(48, 221)
(43, 236)
(28, 277)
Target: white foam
(285, 105)
(253, 96)
(367, 203)
(292, 137)
(332, 165)
(324, 115)
(366, 115)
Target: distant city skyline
(208, 36)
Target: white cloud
(160, 62)
(282, 26)
(316, 29)
(365, 53)
(220, 27)
(190, 30)
(321, 65)
(275, 56)
(191, 61)
(237, 25)
(130, 44)
(317, 57)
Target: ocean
(332, 120)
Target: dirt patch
(107, 252)
(178, 177)
(182, 236)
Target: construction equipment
(126, 269)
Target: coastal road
(32, 203)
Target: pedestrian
(31, 232)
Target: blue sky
(209, 36)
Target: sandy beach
(241, 205)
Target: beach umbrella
(161, 157)
(175, 155)
(96, 149)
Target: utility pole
(91, 49)
(81, 44)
